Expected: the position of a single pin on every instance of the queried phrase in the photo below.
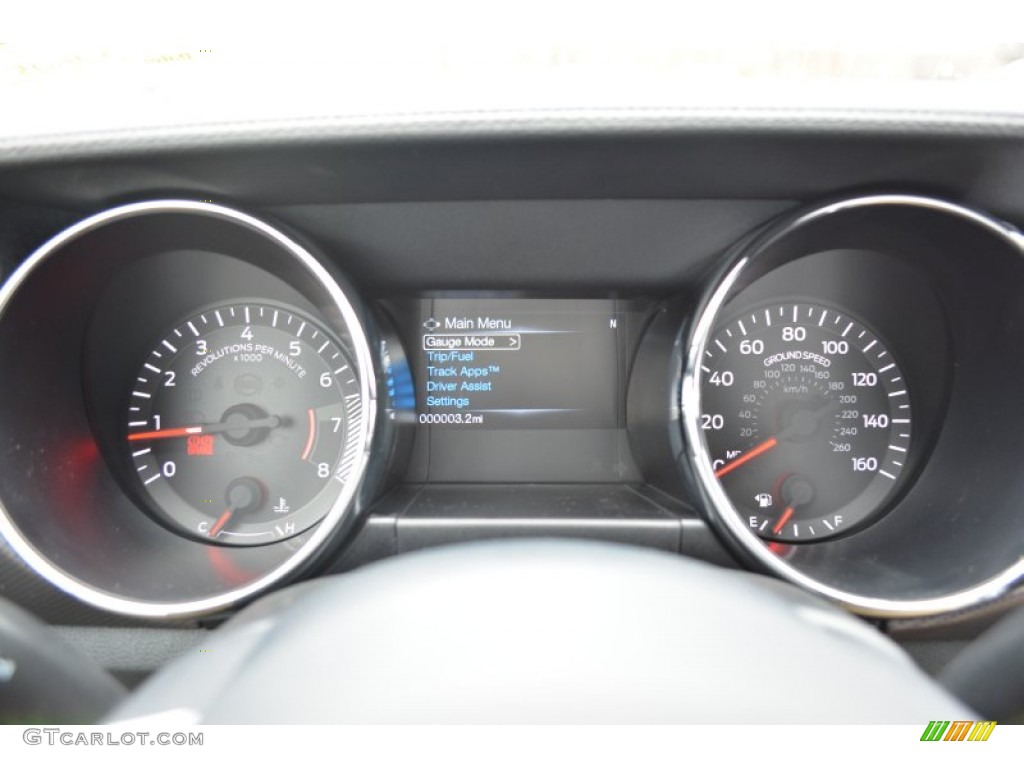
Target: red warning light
(200, 445)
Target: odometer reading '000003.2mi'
(243, 424)
(806, 417)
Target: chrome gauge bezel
(337, 303)
(719, 510)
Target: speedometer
(807, 420)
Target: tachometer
(243, 424)
(807, 419)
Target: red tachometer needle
(160, 434)
(221, 522)
(753, 453)
(231, 425)
(783, 520)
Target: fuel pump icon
(764, 500)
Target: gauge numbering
(243, 424)
(806, 418)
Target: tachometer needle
(160, 434)
(753, 453)
(234, 425)
(221, 522)
(783, 520)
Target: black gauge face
(243, 424)
(807, 420)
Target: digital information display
(519, 363)
(514, 390)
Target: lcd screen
(510, 388)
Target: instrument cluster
(200, 406)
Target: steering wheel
(543, 632)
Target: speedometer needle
(753, 453)
(803, 424)
(271, 422)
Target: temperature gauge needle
(244, 495)
(753, 453)
(221, 522)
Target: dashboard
(236, 362)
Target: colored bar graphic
(958, 730)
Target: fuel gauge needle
(777, 528)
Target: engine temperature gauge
(243, 424)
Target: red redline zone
(308, 449)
